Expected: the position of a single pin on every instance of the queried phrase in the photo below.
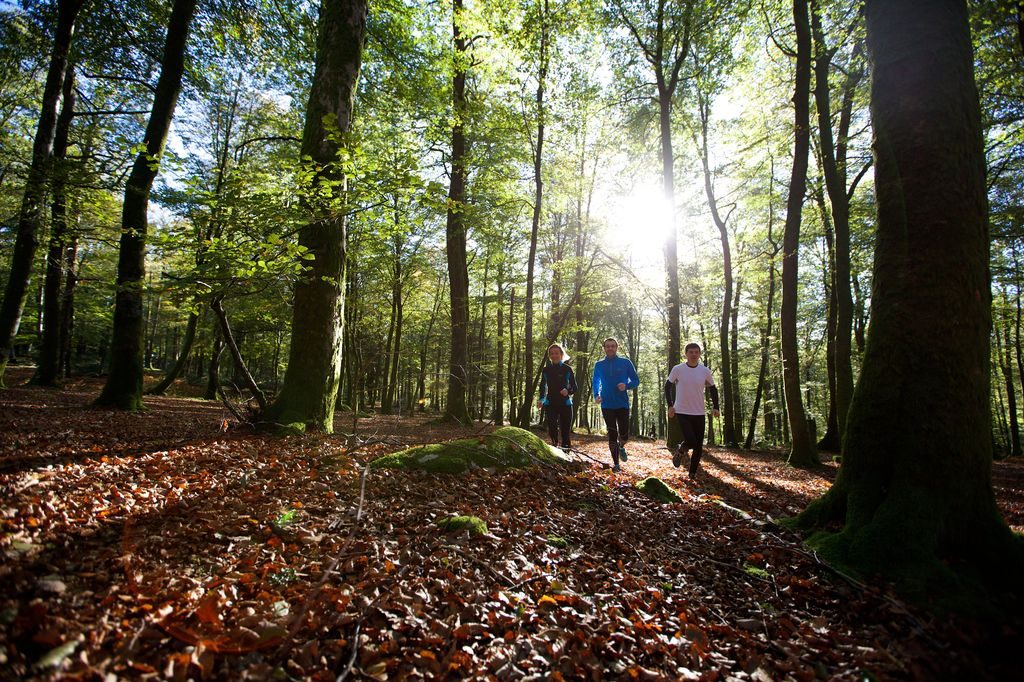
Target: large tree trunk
(124, 383)
(456, 408)
(30, 216)
(803, 452)
(48, 369)
(310, 388)
(914, 493)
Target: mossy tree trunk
(27, 240)
(124, 382)
(310, 387)
(914, 493)
(802, 452)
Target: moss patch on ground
(473, 524)
(656, 489)
(505, 448)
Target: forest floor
(169, 544)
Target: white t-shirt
(690, 383)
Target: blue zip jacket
(608, 374)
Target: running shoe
(677, 457)
(622, 452)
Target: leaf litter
(158, 545)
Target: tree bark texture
(914, 494)
(802, 452)
(456, 408)
(48, 367)
(310, 387)
(123, 388)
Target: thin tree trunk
(30, 215)
(67, 305)
(123, 388)
(499, 367)
(526, 407)
(802, 453)
(182, 359)
(229, 339)
(766, 333)
(511, 376)
(396, 350)
(48, 369)
(729, 435)
(213, 369)
(1018, 351)
(830, 442)
(310, 388)
(833, 157)
(734, 358)
(384, 407)
(1006, 364)
(422, 383)
(481, 374)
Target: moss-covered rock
(505, 448)
(656, 489)
(473, 524)
(557, 541)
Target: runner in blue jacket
(613, 378)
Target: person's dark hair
(691, 345)
(610, 338)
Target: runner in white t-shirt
(684, 392)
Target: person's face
(610, 348)
(693, 356)
(555, 355)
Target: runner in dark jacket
(557, 386)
